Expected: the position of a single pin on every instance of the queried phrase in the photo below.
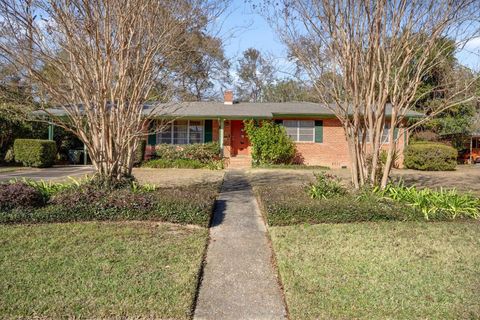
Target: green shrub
(292, 205)
(140, 152)
(326, 186)
(203, 152)
(430, 157)
(291, 166)
(434, 204)
(35, 153)
(187, 205)
(270, 143)
(177, 163)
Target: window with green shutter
(318, 131)
(208, 131)
(152, 137)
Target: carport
(41, 114)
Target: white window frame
(157, 136)
(297, 137)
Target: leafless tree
(109, 54)
(364, 55)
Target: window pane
(305, 137)
(180, 132)
(386, 133)
(291, 128)
(165, 135)
(306, 130)
(196, 131)
(290, 123)
(306, 124)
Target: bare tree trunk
(366, 60)
(109, 55)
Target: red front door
(239, 138)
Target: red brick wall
(333, 151)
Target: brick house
(318, 135)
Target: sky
(244, 28)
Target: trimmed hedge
(430, 157)
(203, 152)
(292, 205)
(35, 152)
(191, 156)
(186, 205)
(177, 163)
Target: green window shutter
(152, 138)
(318, 131)
(395, 133)
(208, 131)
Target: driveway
(56, 173)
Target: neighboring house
(472, 153)
(318, 135)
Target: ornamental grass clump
(434, 204)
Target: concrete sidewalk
(55, 173)
(239, 281)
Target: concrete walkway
(239, 280)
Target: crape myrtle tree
(364, 55)
(109, 54)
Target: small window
(300, 130)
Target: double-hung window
(182, 132)
(300, 130)
(385, 134)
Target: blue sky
(244, 28)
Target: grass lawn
(99, 270)
(383, 270)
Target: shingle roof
(245, 110)
(241, 110)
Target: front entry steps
(240, 162)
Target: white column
(220, 134)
